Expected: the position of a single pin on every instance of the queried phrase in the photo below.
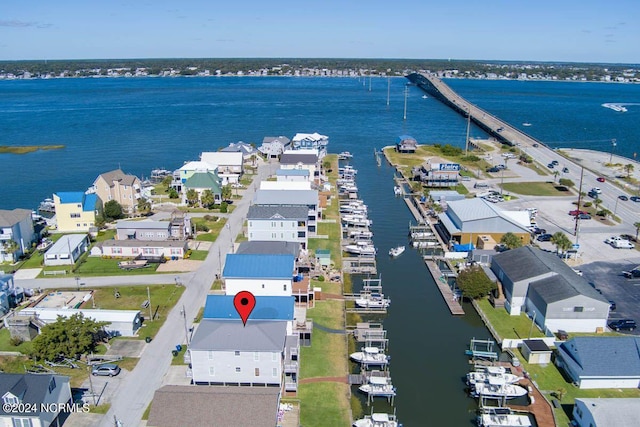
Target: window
(284, 287)
(274, 372)
(116, 250)
(263, 286)
(210, 355)
(257, 372)
(578, 309)
(281, 224)
(75, 215)
(238, 370)
(9, 398)
(212, 371)
(237, 353)
(256, 356)
(52, 384)
(176, 251)
(22, 422)
(274, 357)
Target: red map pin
(244, 301)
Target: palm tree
(637, 226)
(597, 202)
(511, 241)
(561, 241)
(192, 196)
(10, 247)
(207, 199)
(628, 168)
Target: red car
(600, 179)
(577, 212)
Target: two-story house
(230, 166)
(46, 394)
(15, 226)
(247, 150)
(259, 274)
(308, 198)
(292, 174)
(273, 146)
(200, 182)
(119, 186)
(143, 230)
(278, 223)
(75, 211)
(301, 159)
(312, 141)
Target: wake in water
(618, 106)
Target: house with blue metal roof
(260, 274)
(75, 211)
(601, 362)
(267, 308)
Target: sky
(517, 30)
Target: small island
(24, 149)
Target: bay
(143, 123)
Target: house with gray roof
(67, 249)
(45, 395)
(550, 291)
(226, 352)
(179, 227)
(246, 149)
(601, 362)
(606, 412)
(119, 186)
(278, 223)
(145, 249)
(178, 406)
(264, 247)
(465, 221)
(308, 198)
(303, 159)
(16, 225)
(273, 146)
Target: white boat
(377, 420)
(616, 107)
(493, 375)
(502, 417)
(374, 300)
(45, 244)
(360, 234)
(345, 155)
(498, 391)
(357, 222)
(526, 124)
(397, 190)
(370, 356)
(133, 264)
(378, 386)
(420, 235)
(361, 248)
(424, 96)
(396, 251)
(422, 245)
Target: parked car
(554, 162)
(577, 212)
(622, 324)
(600, 179)
(538, 230)
(610, 240)
(550, 165)
(612, 305)
(565, 170)
(632, 274)
(106, 369)
(544, 237)
(536, 145)
(493, 170)
(634, 199)
(623, 244)
(584, 216)
(623, 197)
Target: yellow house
(118, 186)
(75, 211)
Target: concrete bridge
(491, 124)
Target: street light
(466, 141)
(77, 282)
(613, 146)
(502, 176)
(406, 93)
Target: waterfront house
(265, 247)
(606, 412)
(119, 322)
(16, 226)
(313, 141)
(308, 198)
(259, 274)
(292, 174)
(406, 144)
(437, 173)
(247, 150)
(278, 223)
(177, 406)
(116, 185)
(229, 165)
(179, 227)
(601, 362)
(47, 394)
(189, 168)
(465, 220)
(549, 291)
(302, 159)
(75, 211)
(144, 249)
(67, 249)
(285, 185)
(273, 146)
(200, 182)
(226, 352)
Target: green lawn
(324, 404)
(98, 266)
(213, 223)
(535, 188)
(508, 326)
(198, 255)
(5, 343)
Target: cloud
(13, 23)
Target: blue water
(141, 124)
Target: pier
(491, 124)
(449, 297)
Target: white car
(596, 190)
(612, 239)
(623, 244)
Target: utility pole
(575, 230)
(406, 93)
(466, 141)
(186, 330)
(149, 299)
(613, 146)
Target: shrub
(223, 207)
(587, 204)
(201, 227)
(16, 341)
(321, 279)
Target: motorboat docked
(345, 155)
(360, 234)
(357, 222)
(394, 252)
(361, 248)
(377, 420)
(370, 356)
(373, 300)
(378, 386)
(502, 417)
(416, 235)
(498, 391)
(423, 245)
(492, 375)
(45, 244)
(397, 190)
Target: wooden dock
(449, 297)
(359, 265)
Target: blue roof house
(221, 307)
(260, 274)
(601, 362)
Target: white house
(15, 225)
(272, 147)
(292, 175)
(170, 249)
(606, 412)
(120, 322)
(143, 230)
(278, 223)
(311, 140)
(300, 159)
(285, 185)
(47, 394)
(247, 150)
(259, 274)
(229, 165)
(67, 249)
(226, 352)
(308, 198)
